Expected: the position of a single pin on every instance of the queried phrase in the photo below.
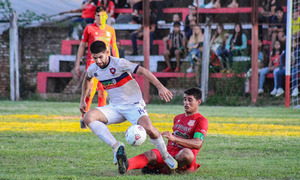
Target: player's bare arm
(80, 53)
(86, 84)
(163, 92)
(195, 143)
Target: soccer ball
(135, 135)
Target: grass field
(42, 140)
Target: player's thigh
(94, 115)
(112, 115)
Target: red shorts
(160, 164)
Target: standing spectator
(234, 46)
(138, 34)
(296, 23)
(217, 43)
(96, 31)
(277, 31)
(195, 47)
(190, 20)
(88, 9)
(177, 47)
(110, 8)
(273, 63)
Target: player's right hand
(82, 107)
(77, 70)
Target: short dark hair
(176, 23)
(278, 8)
(100, 9)
(98, 47)
(196, 92)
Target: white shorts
(116, 114)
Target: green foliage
(24, 19)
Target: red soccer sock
(137, 162)
(88, 101)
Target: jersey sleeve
(202, 126)
(90, 71)
(127, 66)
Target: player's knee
(151, 156)
(186, 155)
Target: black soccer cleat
(122, 160)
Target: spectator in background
(260, 66)
(268, 10)
(157, 6)
(277, 31)
(296, 23)
(138, 34)
(233, 4)
(177, 47)
(110, 8)
(121, 50)
(176, 18)
(195, 47)
(234, 46)
(88, 9)
(273, 63)
(217, 44)
(190, 20)
(137, 5)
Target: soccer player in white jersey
(125, 101)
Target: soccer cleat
(122, 160)
(273, 92)
(115, 152)
(295, 92)
(280, 91)
(82, 124)
(171, 162)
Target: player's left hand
(165, 94)
(168, 135)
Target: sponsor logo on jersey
(112, 70)
(95, 74)
(191, 122)
(107, 34)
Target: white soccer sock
(160, 145)
(101, 130)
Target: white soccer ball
(135, 135)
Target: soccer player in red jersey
(184, 143)
(96, 31)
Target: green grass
(54, 155)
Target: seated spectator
(190, 20)
(138, 34)
(195, 47)
(177, 47)
(274, 61)
(268, 10)
(260, 66)
(88, 9)
(234, 46)
(137, 5)
(110, 9)
(122, 4)
(296, 23)
(277, 31)
(217, 45)
(157, 6)
(211, 4)
(176, 18)
(295, 69)
(121, 50)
